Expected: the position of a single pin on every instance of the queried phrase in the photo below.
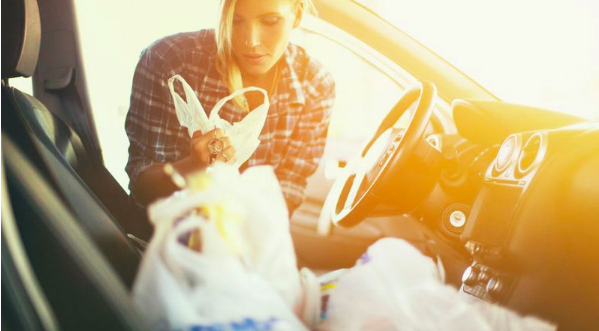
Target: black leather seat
(19, 57)
(79, 253)
(36, 131)
(80, 287)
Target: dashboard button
(470, 276)
(478, 249)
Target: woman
(250, 47)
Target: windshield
(537, 52)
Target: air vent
(505, 153)
(531, 154)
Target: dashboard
(532, 224)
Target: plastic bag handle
(237, 93)
(188, 90)
(189, 95)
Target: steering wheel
(397, 166)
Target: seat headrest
(21, 37)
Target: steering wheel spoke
(355, 189)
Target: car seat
(72, 285)
(59, 124)
(32, 127)
(77, 252)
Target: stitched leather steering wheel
(397, 166)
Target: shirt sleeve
(307, 142)
(152, 126)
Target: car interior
(507, 201)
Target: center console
(494, 213)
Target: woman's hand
(210, 147)
(153, 182)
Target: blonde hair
(225, 62)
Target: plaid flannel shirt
(294, 134)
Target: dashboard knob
(470, 276)
(494, 287)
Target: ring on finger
(226, 157)
(216, 145)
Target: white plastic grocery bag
(243, 134)
(244, 277)
(394, 287)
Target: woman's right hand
(211, 146)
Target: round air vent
(531, 154)
(505, 153)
